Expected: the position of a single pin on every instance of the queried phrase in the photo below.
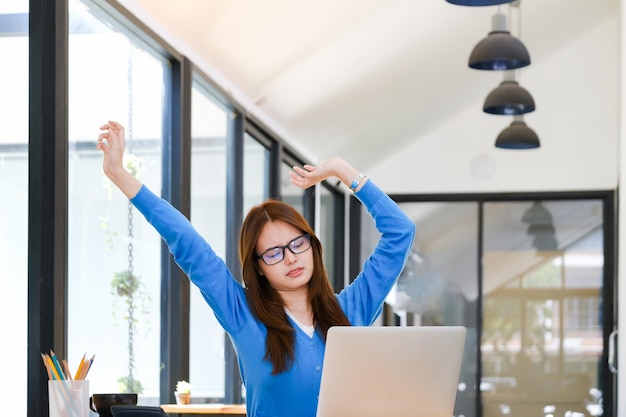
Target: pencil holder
(68, 398)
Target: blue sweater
(295, 391)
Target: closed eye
(272, 253)
(298, 242)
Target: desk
(213, 409)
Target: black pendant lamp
(509, 98)
(478, 2)
(499, 50)
(517, 136)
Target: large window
(14, 205)
(208, 214)
(114, 283)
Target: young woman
(278, 319)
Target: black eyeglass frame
(290, 246)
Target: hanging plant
(125, 284)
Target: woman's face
(295, 270)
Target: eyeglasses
(275, 255)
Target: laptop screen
(391, 371)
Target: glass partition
(14, 205)
(542, 341)
(538, 286)
(114, 281)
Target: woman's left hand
(309, 175)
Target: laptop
(391, 371)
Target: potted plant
(183, 392)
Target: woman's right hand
(112, 142)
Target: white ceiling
(355, 77)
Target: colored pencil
(86, 367)
(57, 365)
(60, 370)
(53, 369)
(80, 367)
(66, 368)
(45, 363)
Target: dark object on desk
(102, 403)
(137, 411)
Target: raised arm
(111, 142)
(363, 299)
(190, 250)
(309, 175)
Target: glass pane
(329, 232)
(439, 284)
(542, 338)
(256, 159)
(114, 281)
(208, 215)
(14, 206)
(290, 194)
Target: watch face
(357, 181)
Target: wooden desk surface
(219, 409)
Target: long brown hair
(266, 303)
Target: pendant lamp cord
(516, 5)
